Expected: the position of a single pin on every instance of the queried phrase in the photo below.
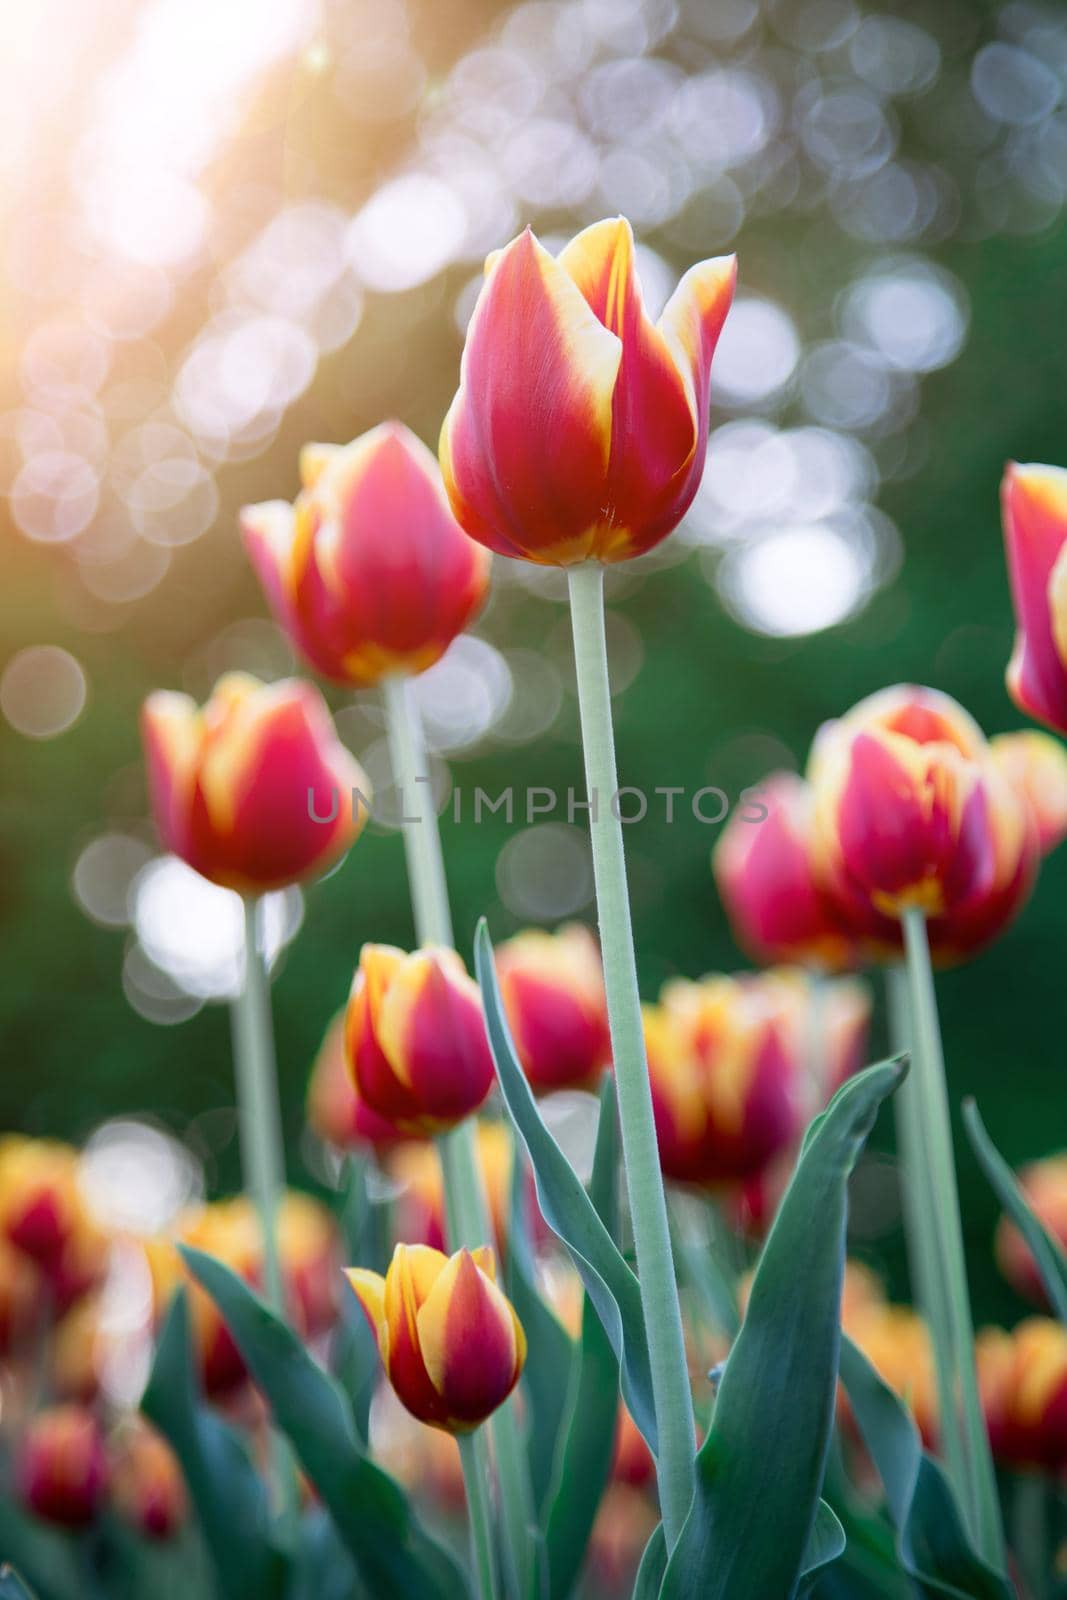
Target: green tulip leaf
(932, 1543)
(550, 1351)
(227, 1491)
(323, 1568)
(392, 1552)
(755, 1512)
(1046, 1251)
(588, 1438)
(826, 1543)
(609, 1281)
(12, 1586)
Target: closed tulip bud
(255, 791)
(60, 1466)
(334, 1110)
(147, 1487)
(1035, 765)
(912, 812)
(450, 1342)
(748, 1070)
(415, 1038)
(1033, 503)
(368, 572)
(678, 1103)
(552, 985)
(1044, 1183)
(40, 1202)
(766, 873)
(1023, 1383)
(579, 428)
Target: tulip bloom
(450, 1342)
(552, 985)
(255, 790)
(368, 572)
(1035, 764)
(60, 1466)
(147, 1487)
(1033, 503)
(766, 873)
(415, 1038)
(1023, 1385)
(912, 812)
(1044, 1183)
(578, 431)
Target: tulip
(21, 1293)
(60, 1466)
(552, 986)
(415, 1038)
(632, 1461)
(1023, 1376)
(578, 431)
(242, 788)
(368, 571)
(40, 1203)
(911, 812)
(77, 1353)
(1035, 765)
(450, 1342)
(230, 1231)
(1034, 511)
(766, 873)
(1044, 1183)
(625, 1521)
(334, 1110)
(147, 1487)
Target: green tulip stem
(919, 1206)
(466, 1207)
(474, 1456)
(930, 1127)
(262, 1147)
(648, 1207)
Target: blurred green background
(927, 149)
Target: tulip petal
(691, 323)
(315, 458)
(432, 1029)
(413, 1273)
(369, 1289)
(1034, 507)
(468, 1341)
(654, 426)
(171, 731)
(526, 443)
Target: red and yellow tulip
(552, 985)
(334, 1110)
(60, 1466)
(368, 571)
(1033, 503)
(147, 1487)
(1035, 764)
(578, 432)
(1023, 1384)
(912, 811)
(450, 1342)
(415, 1038)
(44, 1217)
(241, 788)
(419, 1207)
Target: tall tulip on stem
(577, 438)
(372, 579)
(230, 786)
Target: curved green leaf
(609, 1281)
(1046, 1251)
(760, 1469)
(931, 1538)
(227, 1491)
(394, 1555)
(588, 1440)
(825, 1544)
